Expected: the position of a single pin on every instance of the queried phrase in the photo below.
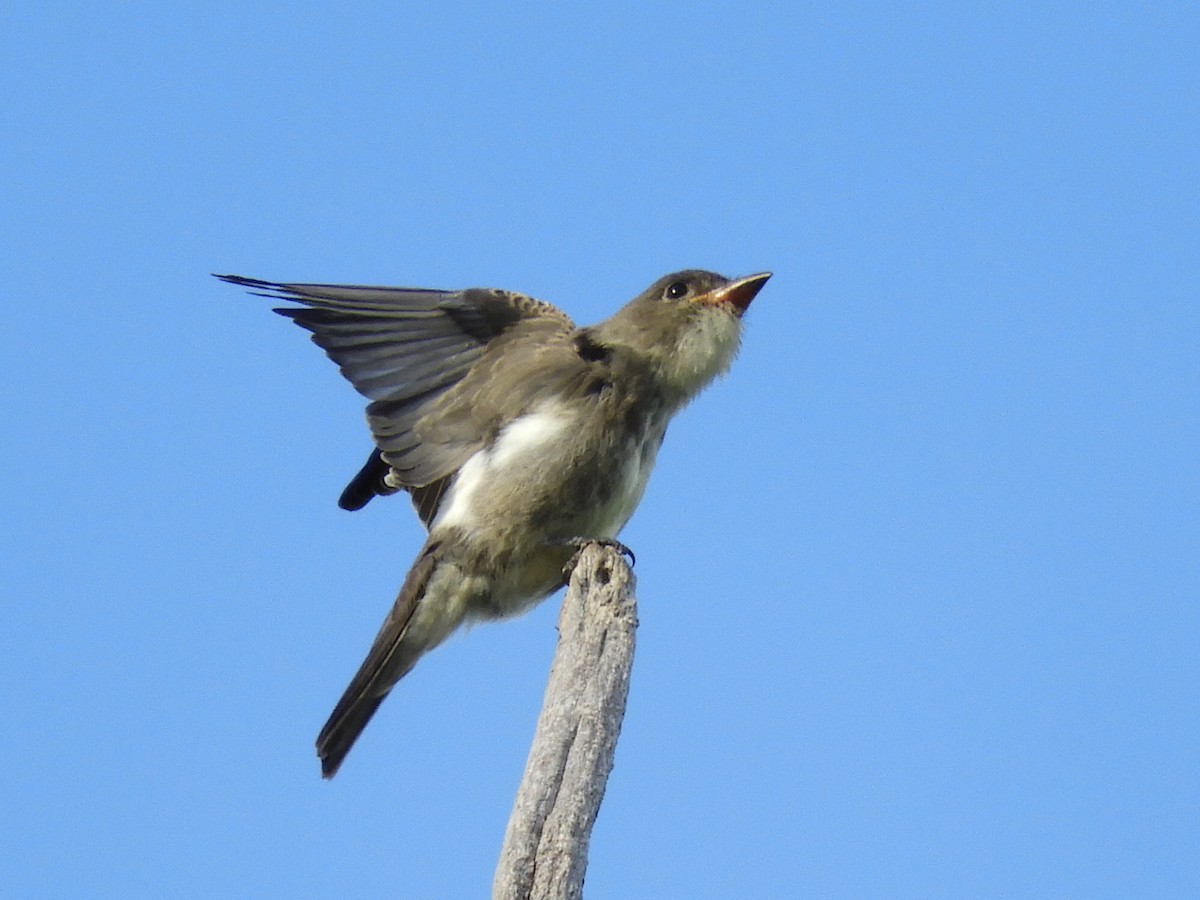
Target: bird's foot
(580, 542)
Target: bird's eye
(676, 290)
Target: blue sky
(918, 581)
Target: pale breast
(632, 474)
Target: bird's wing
(405, 348)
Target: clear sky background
(918, 581)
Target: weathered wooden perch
(546, 843)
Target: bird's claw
(580, 542)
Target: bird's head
(686, 326)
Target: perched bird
(518, 435)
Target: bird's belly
(546, 481)
(494, 486)
(630, 470)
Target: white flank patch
(519, 447)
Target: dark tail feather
(340, 733)
(390, 659)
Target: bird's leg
(580, 542)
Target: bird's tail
(392, 655)
(342, 730)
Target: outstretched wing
(403, 349)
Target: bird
(518, 435)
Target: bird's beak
(738, 293)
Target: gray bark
(544, 856)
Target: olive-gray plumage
(517, 434)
